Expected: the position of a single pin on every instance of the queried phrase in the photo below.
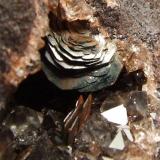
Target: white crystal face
(71, 50)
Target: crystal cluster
(81, 60)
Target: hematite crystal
(81, 60)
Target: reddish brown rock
(22, 26)
(72, 10)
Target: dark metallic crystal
(81, 61)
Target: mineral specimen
(74, 121)
(79, 59)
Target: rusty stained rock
(22, 26)
(135, 26)
(72, 10)
(137, 55)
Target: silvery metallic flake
(81, 61)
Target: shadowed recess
(37, 92)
